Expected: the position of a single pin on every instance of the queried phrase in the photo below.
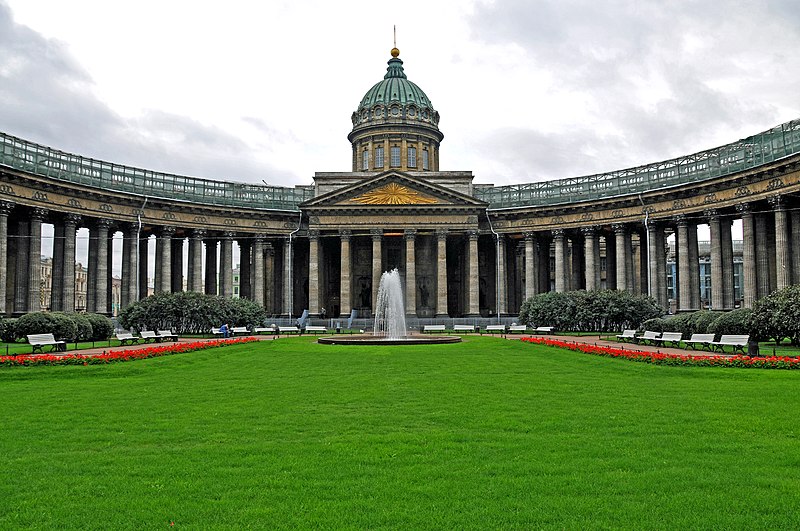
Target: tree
(777, 316)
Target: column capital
(228, 235)
(776, 202)
(313, 234)
(619, 228)
(345, 234)
(744, 209)
(72, 219)
(441, 234)
(589, 231)
(199, 234)
(409, 234)
(529, 236)
(712, 214)
(681, 220)
(377, 234)
(6, 207)
(472, 235)
(558, 233)
(39, 214)
(269, 248)
(167, 231)
(102, 223)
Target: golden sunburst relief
(393, 194)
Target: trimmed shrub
(733, 322)
(8, 330)
(102, 326)
(777, 316)
(58, 324)
(655, 325)
(83, 327)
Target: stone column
(782, 251)
(654, 256)
(411, 272)
(144, 258)
(20, 271)
(211, 266)
(592, 272)
(561, 260)
(345, 299)
(164, 269)
(196, 260)
(269, 277)
(5, 210)
(577, 261)
(57, 269)
(531, 279)
(226, 265)
(101, 280)
(441, 273)
(37, 215)
(795, 244)
(288, 303)
(661, 264)
(502, 277)
(728, 295)
(611, 262)
(749, 267)
(694, 267)
(127, 286)
(245, 270)
(377, 263)
(684, 281)
(717, 283)
(176, 280)
(258, 270)
(313, 272)
(71, 222)
(474, 286)
(762, 258)
(620, 232)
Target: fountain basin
(378, 340)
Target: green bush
(8, 330)
(83, 327)
(733, 322)
(102, 327)
(58, 324)
(655, 325)
(777, 316)
(589, 311)
(190, 313)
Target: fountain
(390, 320)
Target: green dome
(395, 87)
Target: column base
(442, 316)
(472, 315)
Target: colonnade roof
(768, 146)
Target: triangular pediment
(393, 189)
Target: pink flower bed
(113, 356)
(710, 360)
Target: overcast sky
(527, 90)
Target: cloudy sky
(527, 90)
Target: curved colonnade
(465, 250)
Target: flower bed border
(678, 360)
(154, 351)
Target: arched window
(412, 157)
(394, 160)
(365, 159)
(425, 163)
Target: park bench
(738, 342)
(429, 329)
(37, 341)
(148, 335)
(216, 332)
(543, 330)
(703, 340)
(670, 337)
(288, 330)
(514, 329)
(240, 331)
(496, 329)
(264, 330)
(167, 335)
(464, 328)
(127, 338)
(648, 337)
(627, 335)
(315, 330)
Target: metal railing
(762, 148)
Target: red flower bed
(29, 360)
(710, 360)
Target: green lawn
(483, 435)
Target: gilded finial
(395, 52)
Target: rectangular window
(379, 157)
(395, 156)
(412, 157)
(365, 160)
(425, 159)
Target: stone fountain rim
(369, 339)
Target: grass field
(483, 435)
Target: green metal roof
(395, 88)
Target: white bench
(433, 328)
(670, 337)
(168, 335)
(315, 330)
(464, 328)
(240, 331)
(37, 341)
(627, 335)
(648, 336)
(127, 337)
(500, 329)
(147, 335)
(543, 330)
(513, 329)
(288, 330)
(738, 342)
(703, 340)
(264, 330)
(216, 331)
